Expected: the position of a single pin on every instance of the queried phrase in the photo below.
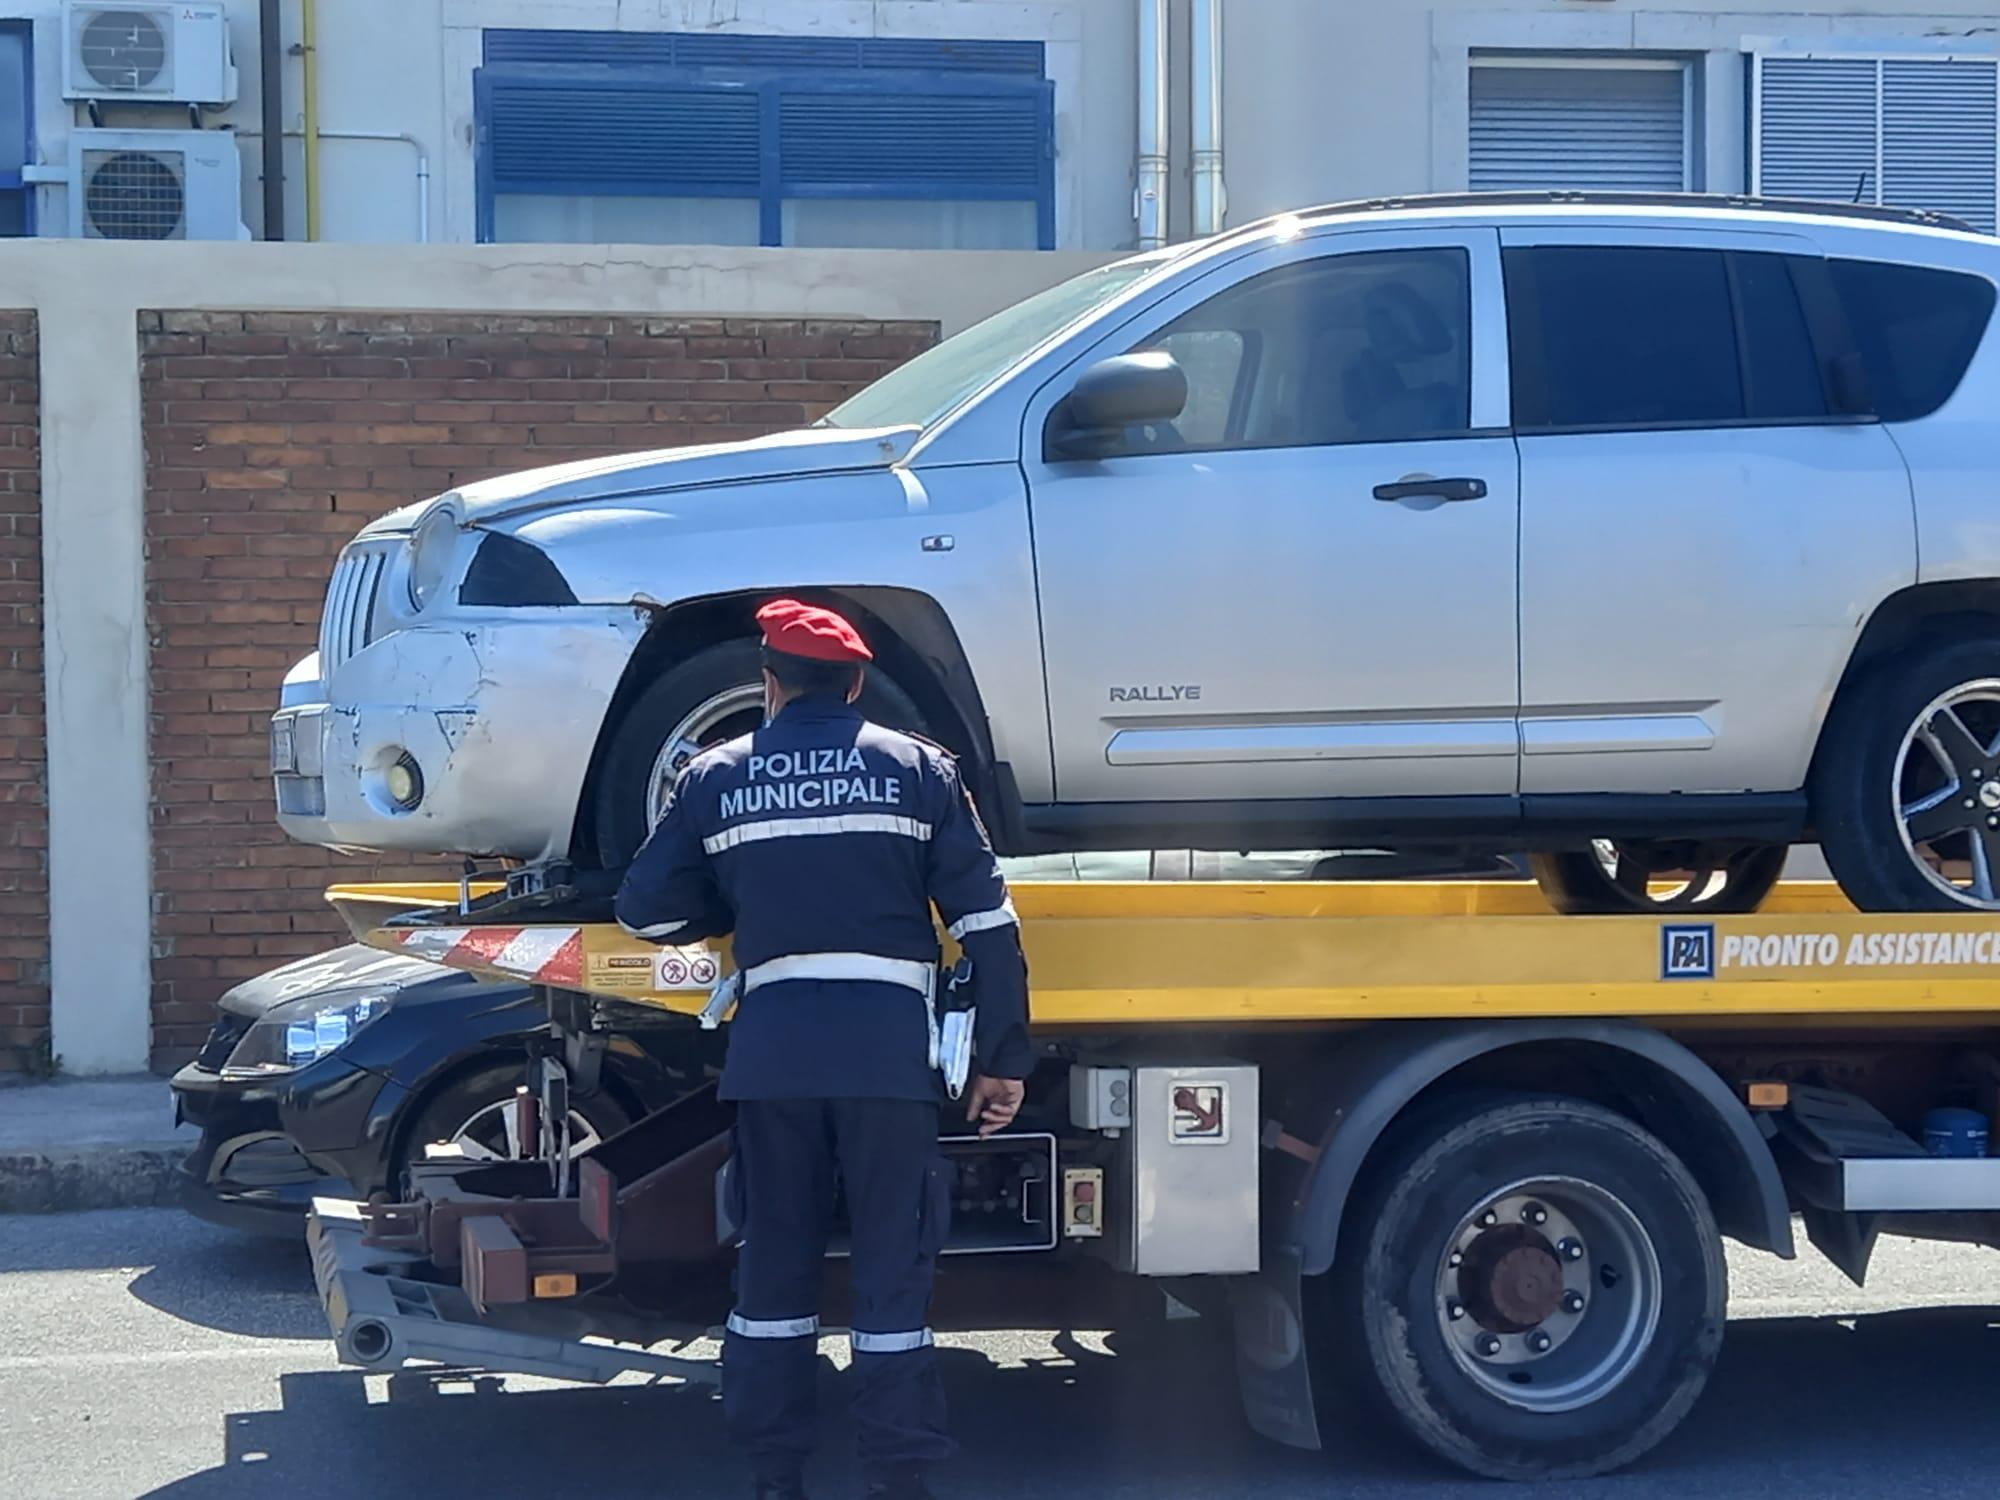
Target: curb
(85, 1177)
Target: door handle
(1432, 489)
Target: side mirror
(1127, 390)
(1847, 384)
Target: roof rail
(1563, 197)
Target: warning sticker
(685, 969)
(1200, 1114)
(618, 973)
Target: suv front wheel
(713, 697)
(1906, 789)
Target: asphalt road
(142, 1353)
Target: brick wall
(24, 831)
(270, 439)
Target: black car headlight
(303, 1031)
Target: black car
(326, 1076)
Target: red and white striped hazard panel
(541, 955)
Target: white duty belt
(911, 973)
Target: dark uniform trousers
(885, 1155)
(822, 843)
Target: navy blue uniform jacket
(824, 833)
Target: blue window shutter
(506, 46)
(969, 144)
(554, 135)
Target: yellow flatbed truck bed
(1481, 1154)
(1195, 953)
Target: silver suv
(1650, 535)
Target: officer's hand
(994, 1102)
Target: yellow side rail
(1209, 953)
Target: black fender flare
(1381, 1071)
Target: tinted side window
(1361, 348)
(1916, 328)
(1782, 381)
(1621, 336)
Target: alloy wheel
(1947, 791)
(731, 712)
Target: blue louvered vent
(636, 138)
(672, 49)
(987, 141)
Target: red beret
(809, 631)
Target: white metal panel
(1938, 137)
(1907, 132)
(1610, 128)
(1815, 128)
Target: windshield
(918, 393)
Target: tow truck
(1430, 1148)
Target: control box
(1181, 1189)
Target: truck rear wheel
(1534, 1287)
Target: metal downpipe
(1209, 199)
(1149, 198)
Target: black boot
(907, 1485)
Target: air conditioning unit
(147, 53)
(155, 185)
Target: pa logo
(1687, 952)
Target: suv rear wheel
(714, 696)
(1623, 876)
(1906, 789)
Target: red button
(1086, 1192)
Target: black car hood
(354, 967)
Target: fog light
(405, 782)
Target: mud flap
(1271, 1364)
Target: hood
(354, 967)
(782, 455)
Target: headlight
(431, 549)
(303, 1031)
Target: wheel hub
(1548, 1293)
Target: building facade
(937, 124)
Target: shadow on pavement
(1886, 1404)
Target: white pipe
(1149, 199)
(423, 163)
(1210, 200)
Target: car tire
(1611, 878)
(1624, 1363)
(1875, 762)
(713, 696)
(467, 1108)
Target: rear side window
(1916, 328)
(1611, 337)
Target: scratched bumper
(499, 718)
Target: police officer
(821, 841)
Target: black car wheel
(1906, 788)
(471, 1113)
(712, 697)
(1533, 1287)
(1641, 878)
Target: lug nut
(1454, 1309)
(1486, 1345)
(1571, 1249)
(1572, 1302)
(1539, 1342)
(1488, 1219)
(1970, 803)
(1455, 1259)
(1534, 1213)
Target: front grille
(228, 1030)
(348, 622)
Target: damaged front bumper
(468, 737)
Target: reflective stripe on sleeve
(791, 828)
(984, 921)
(891, 1343)
(657, 930)
(772, 1328)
